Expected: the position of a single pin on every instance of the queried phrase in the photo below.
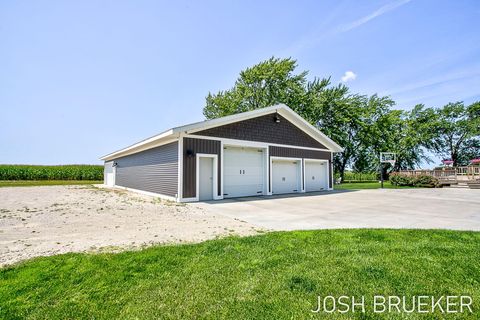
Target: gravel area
(42, 221)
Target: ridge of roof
(205, 124)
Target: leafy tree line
(363, 125)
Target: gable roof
(174, 133)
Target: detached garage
(258, 153)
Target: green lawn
(367, 185)
(276, 276)
(33, 183)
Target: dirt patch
(41, 221)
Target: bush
(423, 181)
(64, 172)
(397, 179)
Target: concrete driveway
(446, 208)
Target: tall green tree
(270, 82)
(470, 150)
(376, 132)
(342, 117)
(409, 134)
(457, 129)
(415, 138)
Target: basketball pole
(383, 158)
(381, 173)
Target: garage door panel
(254, 172)
(285, 176)
(316, 176)
(243, 191)
(243, 180)
(243, 172)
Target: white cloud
(349, 76)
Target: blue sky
(79, 79)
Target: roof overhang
(146, 144)
(173, 134)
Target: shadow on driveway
(279, 196)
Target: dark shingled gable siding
(264, 129)
(154, 170)
(190, 163)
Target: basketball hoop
(386, 157)
(392, 162)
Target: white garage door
(243, 172)
(316, 177)
(286, 176)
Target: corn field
(359, 176)
(62, 172)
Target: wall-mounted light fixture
(189, 153)
(115, 164)
(277, 117)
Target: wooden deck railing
(449, 174)
(469, 170)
